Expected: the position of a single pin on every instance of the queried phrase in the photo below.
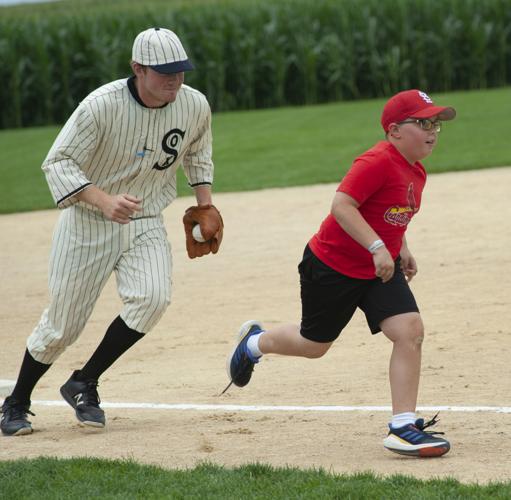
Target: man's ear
(137, 68)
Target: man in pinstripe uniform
(113, 169)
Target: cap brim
(174, 67)
(444, 113)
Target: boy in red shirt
(360, 258)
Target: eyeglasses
(425, 124)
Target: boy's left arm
(408, 263)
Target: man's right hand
(115, 207)
(120, 207)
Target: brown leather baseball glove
(211, 227)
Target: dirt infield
(462, 242)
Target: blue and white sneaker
(412, 440)
(240, 364)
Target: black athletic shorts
(329, 299)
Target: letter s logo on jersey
(170, 144)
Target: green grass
(288, 146)
(83, 6)
(93, 478)
(22, 183)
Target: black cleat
(84, 398)
(14, 419)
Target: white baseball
(197, 235)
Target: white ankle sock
(253, 345)
(402, 419)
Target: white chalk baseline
(280, 408)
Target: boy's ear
(394, 130)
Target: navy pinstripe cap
(162, 50)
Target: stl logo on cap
(425, 97)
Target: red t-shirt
(389, 192)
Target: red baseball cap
(412, 104)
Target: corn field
(256, 54)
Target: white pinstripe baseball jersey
(120, 146)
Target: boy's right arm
(346, 213)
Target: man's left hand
(211, 227)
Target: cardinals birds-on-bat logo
(401, 216)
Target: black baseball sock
(117, 340)
(30, 373)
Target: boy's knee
(407, 329)
(414, 332)
(417, 329)
(316, 350)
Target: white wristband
(375, 245)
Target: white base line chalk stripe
(6, 387)
(220, 408)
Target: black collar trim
(134, 92)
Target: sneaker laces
(16, 411)
(91, 396)
(421, 425)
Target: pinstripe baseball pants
(86, 249)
